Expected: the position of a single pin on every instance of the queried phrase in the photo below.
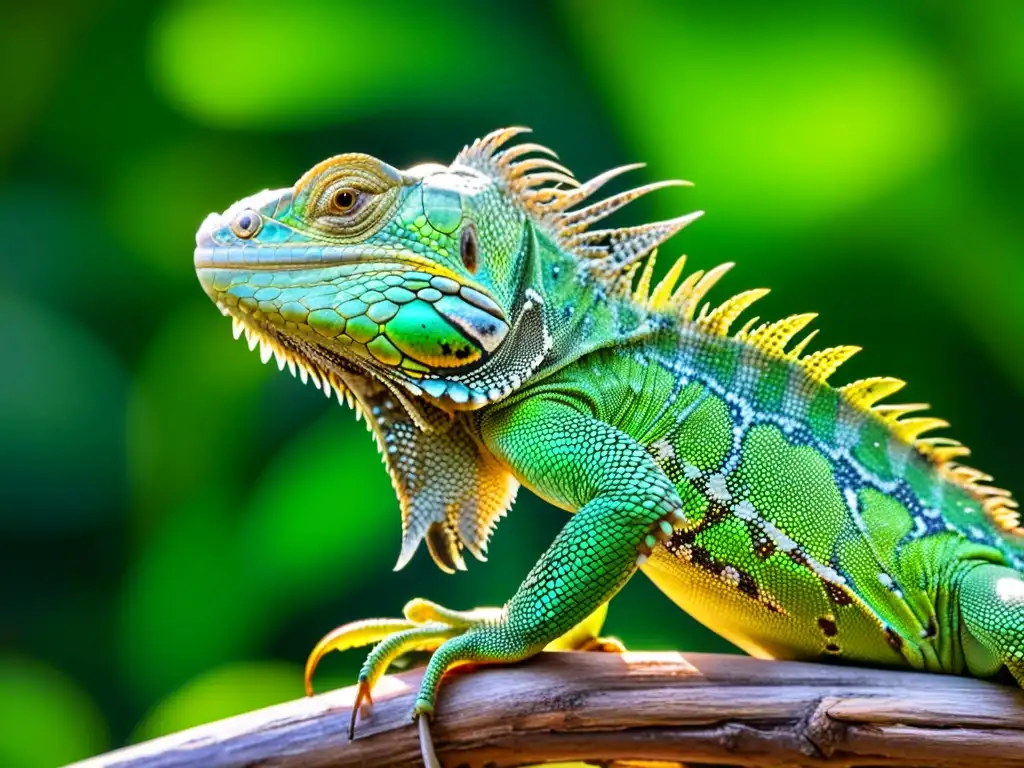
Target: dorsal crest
(547, 191)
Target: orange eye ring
(344, 200)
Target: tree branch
(602, 707)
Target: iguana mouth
(389, 308)
(278, 258)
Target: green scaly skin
(492, 337)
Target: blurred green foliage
(179, 524)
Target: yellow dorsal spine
(662, 294)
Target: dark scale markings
(799, 416)
(894, 639)
(682, 545)
(744, 582)
(764, 547)
(828, 626)
(746, 417)
(837, 594)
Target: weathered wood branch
(600, 707)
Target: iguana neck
(581, 313)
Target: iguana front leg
(625, 505)
(624, 501)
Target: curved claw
(363, 699)
(426, 627)
(419, 637)
(351, 635)
(427, 742)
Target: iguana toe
(355, 634)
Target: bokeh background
(179, 524)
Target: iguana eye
(344, 200)
(246, 224)
(347, 198)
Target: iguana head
(420, 293)
(408, 276)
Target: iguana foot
(390, 638)
(425, 628)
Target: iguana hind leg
(992, 607)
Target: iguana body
(492, 335)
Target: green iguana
(492, 336)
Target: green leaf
(47, 719)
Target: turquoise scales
(492, 335)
